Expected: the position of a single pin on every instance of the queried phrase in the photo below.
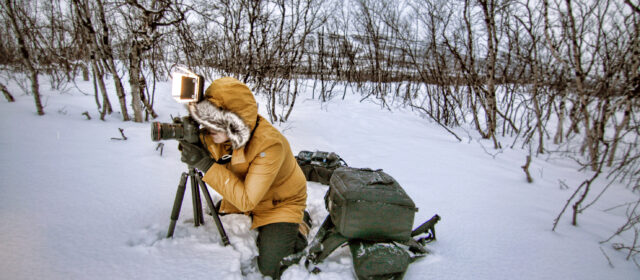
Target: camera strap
(254, 128)
(224, 159)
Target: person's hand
(190, 129)
(195, 156)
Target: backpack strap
(323, 244)
(332, 241)
(427, 228)
(417, 246)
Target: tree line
(505, 67)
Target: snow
(75, 204)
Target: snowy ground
(75, 204)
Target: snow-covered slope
(75, 204)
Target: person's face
(219, 137)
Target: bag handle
(380, 178)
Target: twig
(576, 206)
(86, 114)
(121, 132)
(605, 255)
(598, 197)
(621, 205)
(6, 93)
(438, 122)
(634, 246)
(632, 250)
(469, 136)
(525, 167)
(555, 222)
(288, 127)
(541, 171)
(632, 220)
(563, 185)
(63, 110)
(485, 150)
(161, 147)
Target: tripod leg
(214, 211)
(195, 199)
(177, 203)
(199, 199)
(199, 202)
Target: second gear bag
(383, 260)
(369, 204)
(318, 166)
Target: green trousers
(276, 241)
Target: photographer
(261, 178)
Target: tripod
(196, 180)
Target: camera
(184, 128)
(187, 87)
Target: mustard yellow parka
(263, 178)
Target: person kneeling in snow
(261, 178)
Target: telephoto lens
(166, 131)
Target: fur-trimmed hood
(228, 106)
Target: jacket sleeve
(245, 195)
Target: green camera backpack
(369, 204)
